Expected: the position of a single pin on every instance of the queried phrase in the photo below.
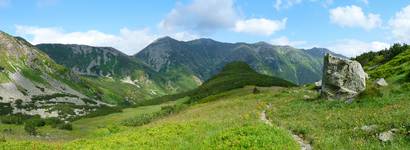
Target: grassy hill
(387, 63)
(233, 76)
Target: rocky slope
(202, 58)
(108, 62)
(32, 83)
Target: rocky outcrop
(342, 79)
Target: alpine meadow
(204, 74)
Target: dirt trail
(303, 144)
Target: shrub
(53, 121)
(5, 108)
(104, 110)
(138, 120)
(65, 126)
(255, 90)
(30, 128)
(36, 121)
(19, 103)
(14, 119)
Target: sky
(348, 27)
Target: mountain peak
(165, 38)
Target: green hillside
(110, 70)
(203, 58)
(388, 63)
(233, 76)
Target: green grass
(4, 77)
(232, 122)
(336, 125)
(83, 128)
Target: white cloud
(284, 4)
(285, 41)
(128, 41)
(365, 1)
(207, 16)
(352, 47)
(202, 16)
(353, 16)
(260, 26)
(400, 25)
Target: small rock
(366, 75)
(306, 97)
(318, 83)
(386, 136)
(369, 128)
(381, 82)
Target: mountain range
(203, 58)
(62, 79)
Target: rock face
(342, 79)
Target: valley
(237, 107)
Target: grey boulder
(343, 79)
(381, 82)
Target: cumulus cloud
(285, 41)
(352, 47)
(201, 15)
(353, 16)
(127, 40)
(400, 25)
(207, 16)
(260, 26)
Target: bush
(36, 121)
(53, 122)
(256, 91)
(19, 103)
(65, 126)
(138, 120)
(104, 110)
(30, 128)
(14, 119)
(5, 108)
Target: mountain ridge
(196, 57)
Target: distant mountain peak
(165, 38)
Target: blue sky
(349, 27)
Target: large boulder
(342, 79)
